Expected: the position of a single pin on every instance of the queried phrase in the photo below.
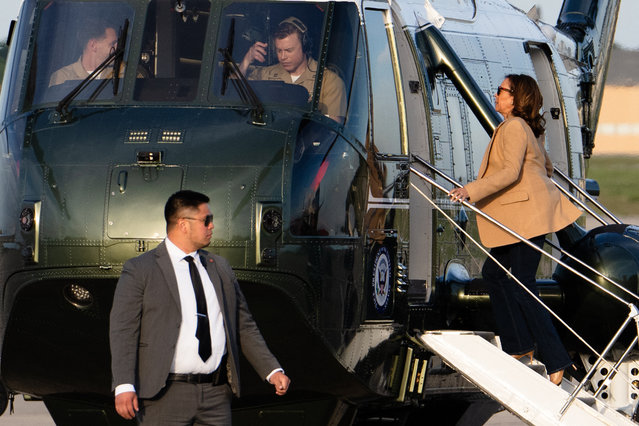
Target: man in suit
(178, 322)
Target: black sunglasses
(499, 89)
(207, 220)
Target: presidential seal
(381, 280)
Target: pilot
(296, 66)
(99, 41)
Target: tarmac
(26, 413)
(34, 413)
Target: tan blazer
(146, 316)
(513, 187)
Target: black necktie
(202, 332)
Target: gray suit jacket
(146, 317)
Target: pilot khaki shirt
(332, 101)
(74, 71)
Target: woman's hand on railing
(458, 194)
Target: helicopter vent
(171, 136)
(138, 136)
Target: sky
(628, 16)
(8, 11)
(625, 34)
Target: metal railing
(633, 311)
(586, 196)
(549, 242)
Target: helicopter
(341, 220)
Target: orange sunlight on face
(290, 54)
(504, 100)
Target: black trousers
(521, 321)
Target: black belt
(216, 378)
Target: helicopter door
(137, 195)
(421, 212)
(553, 111)
(553, 108)
(387, 207)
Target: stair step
(587, 398)
(516, 386)
(538, 368)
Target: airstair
(525, 390)
(518, 387)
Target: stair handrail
(585, 195)
(577, 201)
(549, 242)
(520, 238)
(633, 312)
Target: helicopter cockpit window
(172, 49)
(386, 119)
(73, 40)
(272, 53)
(327, 171)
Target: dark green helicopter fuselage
(101, 197)
(312, 218)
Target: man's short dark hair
(286, 29)
(180, 200)
(93, 28)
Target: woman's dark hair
(527, 101)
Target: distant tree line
(3, 59)
(622, 68)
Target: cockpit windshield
(173, 51)
(285, 50)
(297, 54)
(73, 40)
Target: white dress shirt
(186, 359)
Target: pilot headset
(306, 41)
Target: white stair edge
(522, 391)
